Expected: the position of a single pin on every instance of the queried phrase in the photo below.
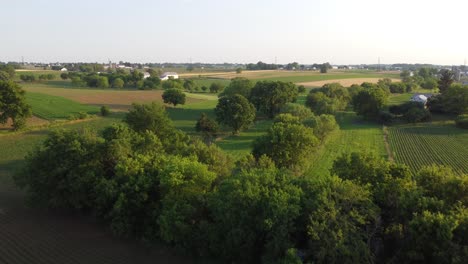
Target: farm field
(115, 99)
(426, 144)
(51, 107)
(354, 135)
(344, 82)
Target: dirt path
(387, 145)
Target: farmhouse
(146, 75)
(63, 69)
(168, 75)
(420, 98)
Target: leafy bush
(105, 110)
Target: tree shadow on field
(184, 117)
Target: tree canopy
(13, 104)
(270, 96)
(235, 111)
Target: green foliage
(62, 172)
(64, 76)
(207, 127)
(4, 76)
(297, 110)
(189, 85)
(238, 85)
(338, 227)
(430, 83)
(102, 82)
(184, 186)
(13, 104)
(455, 99)
(118, 83)
(28, 77)
(216, 87)
(270, 96)
(446, 80)
(369, 102)
(398, 87)
(301, 89)
(151, 117)
(253, 214)
(172, 84)
(239, 70)
(235, 111)
(323, 68)
(328, 99)
(288, 144)
(105, 110)
(174, 96)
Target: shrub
(105, 111)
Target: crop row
(427, 145)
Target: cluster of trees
(329, 99)
(412, 112)
(294, 136)
(261, 66)
(240, 101)
(452, 100)
(13, 104)
(117, 79)
(424, 77)
(148, 180)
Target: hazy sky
(306, 31)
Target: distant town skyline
(207, 31)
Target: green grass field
(355, 135)
(439, 143)
(54, 107)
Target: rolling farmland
(54, 107)
(426, 144)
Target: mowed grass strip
(355, 135)
(54, 107)
(439, 143)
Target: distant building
(146, 75)
(168, 75)
(63, 69)
(420, 98)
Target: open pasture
(51, 107)
(115, 99)
(297, 76)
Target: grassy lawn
(354, 135)
(424, 144)
(54, 107)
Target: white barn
(146, 75)
(420, 98)
(168, 75)
(63, 69)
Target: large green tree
(235, 111)
(288, 143)
(13, 104)
(446, 80)
(270, 96)
(174, 96)
(369, 102)
(239, 85)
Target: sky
(241, 31)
